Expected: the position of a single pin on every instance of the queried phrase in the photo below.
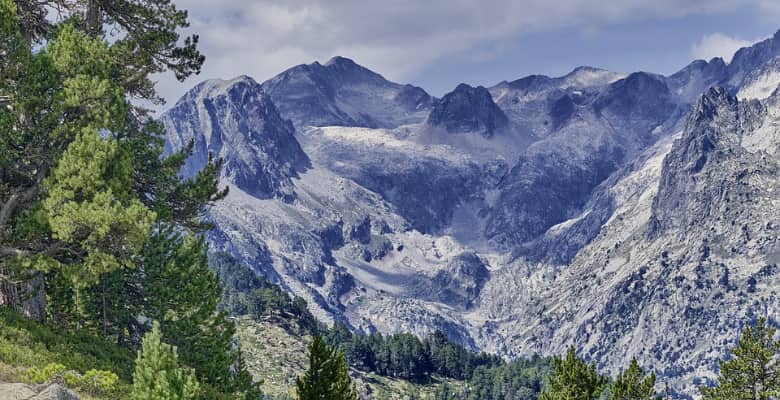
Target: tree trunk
(93, 18)
(25, 294)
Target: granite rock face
(21, 391)
(629, 215)
(468, 109)
(237, 122)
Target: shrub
(97, 382)
(93, 382)
(46, 374)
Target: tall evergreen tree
(633, 384)
(328, 375)
(83, 177)
(158, 375)
(87, 198)
(573, 379)
(173, 284)
(753, 371)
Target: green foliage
(87, 199)
(752, 372)
(573, 379)
(93, 382)
(83, 176)
(244, 292)
(633, 384)
(407, 357)
(182, 292)
(158, 375)
(84, 207)
(45, 374)
(97, 382)
(328, 375)
(27, 343)
(517, 380)
(148, 44)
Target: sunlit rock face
(632, 215)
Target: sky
(437, 44)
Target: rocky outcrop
(237, 122)
(468, 109)
(23, 292)
(21, 391)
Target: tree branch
(20, 198)
(13, 203)
(6, 251)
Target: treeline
(751, 371)
(518, 379)
(403, 355)
(244, 292)
(407, 357)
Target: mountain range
(630, 215)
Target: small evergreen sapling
(158, 375)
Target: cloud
(770, 7)
(397, 38)
(718, 45)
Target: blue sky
(437, 44)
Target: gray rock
(468, 109)
(626, 215)
(21, 391)
(237, 122)
(55, 392)
(16, 391)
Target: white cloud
(397, 38)
(718, 45)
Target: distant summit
(468, 109)
(344, 93)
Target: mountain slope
(615, 212)
(690, 254)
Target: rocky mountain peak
(586, 76)
(714, 102)
(344, 70)
(710, 141)
(468, 109)
(531, 83)
(342, 63)
(236, 121)
(344, 93)
(643, 100)
(592, 229)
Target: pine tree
(158, 375)
(172, 284)
(633, 384)
(573, 379)
(328, 375)
(83, 176)
(85, 187)
(752, 372)
(151, 43)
